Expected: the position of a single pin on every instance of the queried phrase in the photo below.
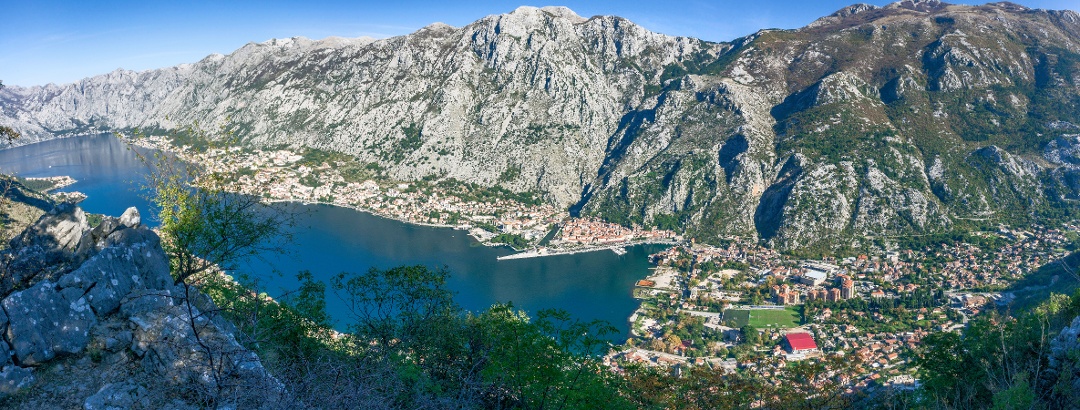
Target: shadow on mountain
(729, 154)
(770, 210)
(1062, 276)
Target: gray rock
(71, 294)
(117, 287)
(112, 344)
(134, 261)
(15, 378)
(165, 336)
(5, 353)
(47, 248)
(119, 341)
(136, 306)
(141, 302)
(43, 324)
(98, 238)
(5, 348)
(93, 238)
(62, 227)
(131, 218)
(1064, 150)
(119, 396)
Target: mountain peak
(925, 6)
(561, 11)
(1008, 5)
(438, 25)
(553, 11)
(843, 14)
(853, 10)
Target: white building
(813, 277)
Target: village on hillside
(728, 307)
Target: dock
(619, 249)
(536, 253)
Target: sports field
(761, 318)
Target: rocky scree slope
(874, 121)
(90, 318)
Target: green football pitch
(761, 318)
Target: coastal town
(732, 307)
(536, 227)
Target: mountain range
(873, 122)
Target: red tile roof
(800, 341)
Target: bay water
(329, 240)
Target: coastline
(467, 228)
(520, 253)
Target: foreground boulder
(44, 324)
(54, 318)
(95, 307)
(46, 249)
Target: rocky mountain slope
(91, 319)
(873, 121)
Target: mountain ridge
(871, 122)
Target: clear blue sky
(43, 41)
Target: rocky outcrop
(45, 249)
(1064, 154)
(1063, 369)
(107, 292)
(119, 396)
(910, 117)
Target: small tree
(8, 134)
(395, 306)
(206, 226)
(205, 223)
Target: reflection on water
(329, 240)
